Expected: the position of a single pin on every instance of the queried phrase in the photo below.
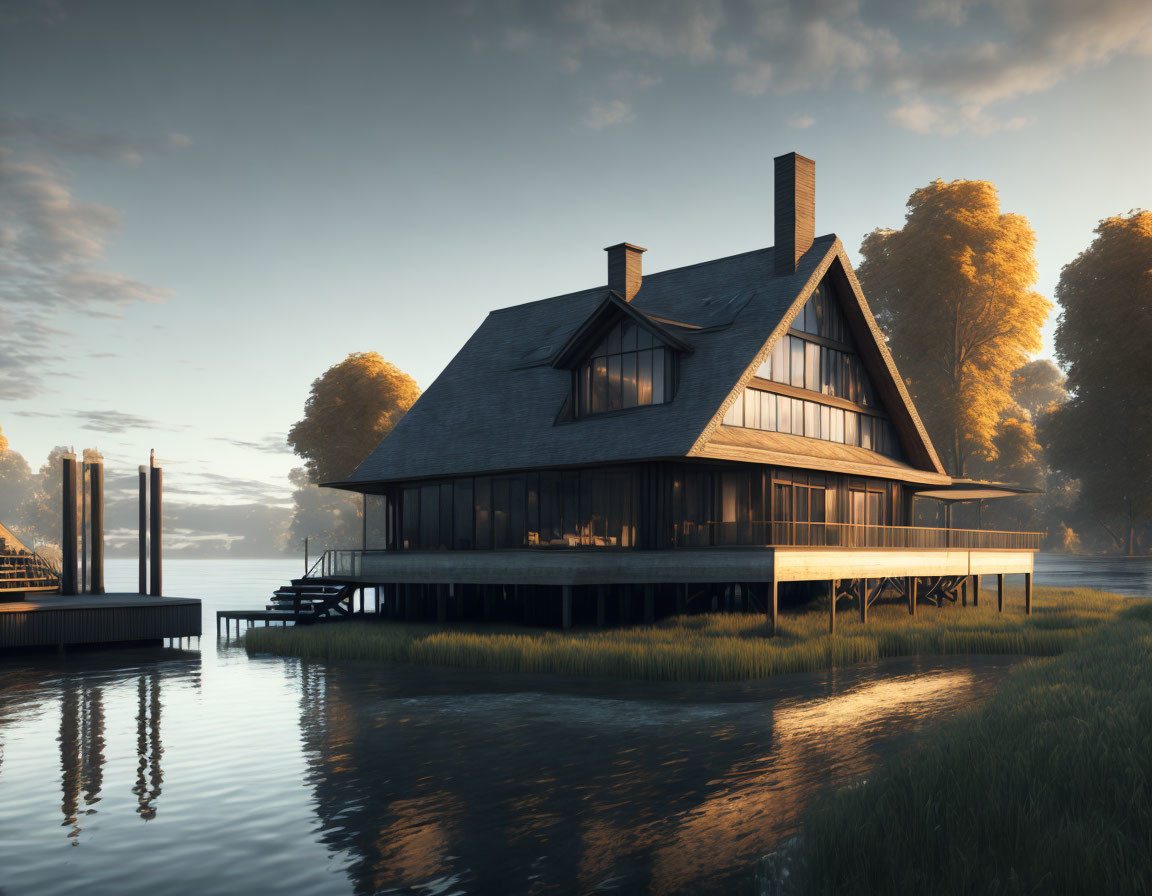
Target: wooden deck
(52, 620)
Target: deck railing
(851, 535)
(339, 563)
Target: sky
(205, 205)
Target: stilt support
(832, 586)
(1000, 593)
(975, 591)
(566, 608)
(773, 607)
(1028, 593)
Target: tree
(1037, 386)
(953, 290)
(1103, 434)
(15, 485)
(350, 408)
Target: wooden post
(306, 567)
(832, 607)
(1028, 593)
(1000, 592)
(156, 521)
(566, 606)
(96, 499)
(600, 606)
(862, 585)
(773, 607)
(975, 591)
(964, 591)
(68, 581)
(441, 603)
(910, 587)
(649, 604)
(144, 531)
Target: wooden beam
(910, 587)
(1000, 593)
(68, 577)
(773, 608)
(144, 531)
(976, 591)
(1028, 593)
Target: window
(629, 368)
(758, 409)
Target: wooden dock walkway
(51, 620)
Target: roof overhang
(976, 490)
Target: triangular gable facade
(835, 272)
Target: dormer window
(629, 368)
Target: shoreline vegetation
(715, 646)
(1044, 788)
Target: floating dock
(52, 620)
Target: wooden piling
(910, 588)
(156, 500)
(862, 586)
(1000, 593)
(832, 607)
(1028, 593)
(96, 499)
(773, 608)
(143, 536)
(975, 591)
(68, 582)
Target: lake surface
(202, 771)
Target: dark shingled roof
(494, 407)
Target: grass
(1046, 788)
(715, 647)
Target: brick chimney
(795, 211)
(624, 269)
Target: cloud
(58, 138)
(274, 443)
(946, 66)
(51, 249)
(801, 122)
(116, 422)
(604, 115)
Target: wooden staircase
(22, 572)
(311, 600)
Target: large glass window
(629, 368)
(758, 409)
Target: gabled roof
(613, 308)
(494, 407)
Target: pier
(57, 620)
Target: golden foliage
(954, 291)
(350, 408)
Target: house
(695, 436)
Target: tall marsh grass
(1046, 788)
(714, 647)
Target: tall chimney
(795, 211)
(624, 269)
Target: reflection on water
(494, 784)
(206, 772)
(1123, 575)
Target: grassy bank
(1047, 788)
(715, 647)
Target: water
(1123, 575)
(202, 771)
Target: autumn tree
(953, 289)
(1038, 386)
(350, 408)
(1103, 434)
(15, 485)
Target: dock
(53, 620)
